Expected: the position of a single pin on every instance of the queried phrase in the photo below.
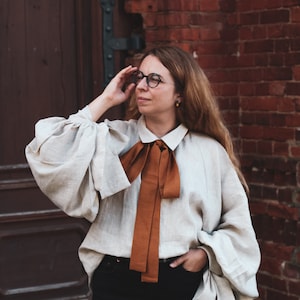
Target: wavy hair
(198, 111)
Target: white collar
(172, 139)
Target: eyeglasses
(152, 80)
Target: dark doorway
(51, 65)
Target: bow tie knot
(159, 179)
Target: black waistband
(126, 260)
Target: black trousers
(113, 280)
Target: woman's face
(157, 101)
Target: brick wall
(250, 50)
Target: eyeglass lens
(152, 79)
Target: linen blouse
(75, 162)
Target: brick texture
(250, 50)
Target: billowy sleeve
(232, 248)
(75, 160)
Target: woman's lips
(141, 100)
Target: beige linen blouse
(75, 162)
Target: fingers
(124, 73)
(194, 260)
(178, 261)
(129, 89)
(121, 80)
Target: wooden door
(51, 65)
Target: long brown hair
(198, 111)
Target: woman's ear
(178, 101)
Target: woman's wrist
(99, 106)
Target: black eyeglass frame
(153, 78)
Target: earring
(177, 103)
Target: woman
(163, 190)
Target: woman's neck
(160, 127)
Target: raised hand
(113, 94)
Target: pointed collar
(171, 139)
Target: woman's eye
(154, 78)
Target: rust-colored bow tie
(160, 179)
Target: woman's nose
(142, 84)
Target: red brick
(231, 117)
(273, 73)
(227, 5)
(295, 11)
(294, 287)
(263, 118)
(229, 34)
(259, 103)
(180, 34)
(276, 59)
(290, 3)
(297, 134)
(279, 251)
(249, 147)
(173, 19)
(254, 74)
(295, 44)
(258, 207)
(259, 32)
(278, 295)
(276, 88)
(209, 5)
(249, 18)
(151, 19)
(292, 30)
(209, 47)
(296, 72)
(178, 5)
(259, 46)
(246, 61)
(282, 45)
(136, 6)
(210, 33)
(291, 270)
(281, 164)
(290, 233)
(265, 147)
(261, 59)
(275, 31)
(229, 89)
(285, 195)
(244, 5)
(262, 89)
(232, 19)
(286, 104)
(270, 265)
(292, 59)
(295, 151)
(246, 89)
(245, 33)
(266, 4)
(278, 134)
(210, 61)
(293, 120)
(282, 211)
(297, 104)
(248, 117)
(251, 132)
(275, 16)
(278, 119)
(200, 18)
(293, 88)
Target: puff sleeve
(73, 161)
